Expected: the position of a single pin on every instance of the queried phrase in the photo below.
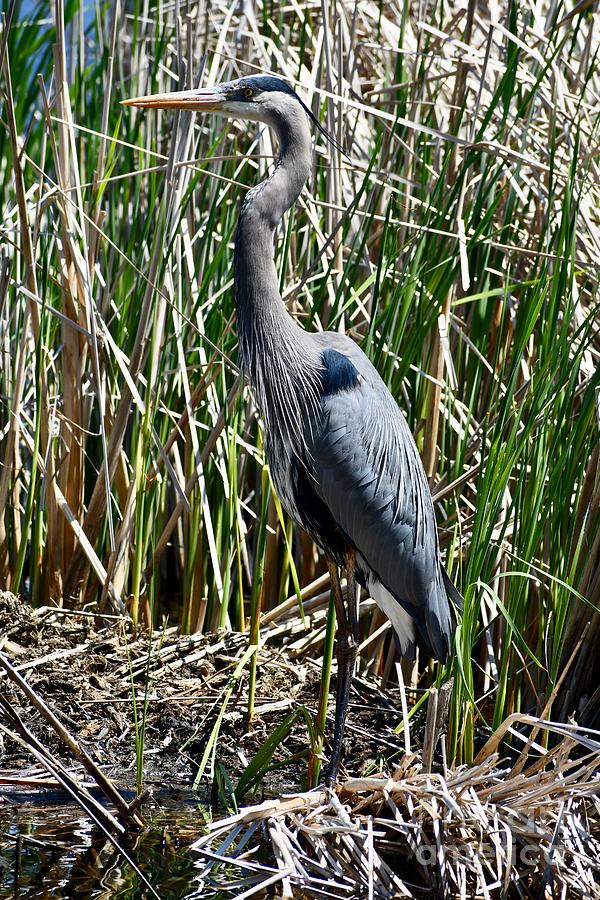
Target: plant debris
(522, 828)
(89, 678)
(480, 831)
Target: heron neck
(264, 324)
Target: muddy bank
(89, 676)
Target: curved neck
(263, 321)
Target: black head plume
(329, 137)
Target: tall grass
(459, 246)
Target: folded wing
(366, 470)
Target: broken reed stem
(129, 816)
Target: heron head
(258, 98)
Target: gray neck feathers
(276, 354)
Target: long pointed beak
(201, 100)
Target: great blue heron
(341, 455)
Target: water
(52, 850)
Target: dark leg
(346, 647)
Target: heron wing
(367, 472)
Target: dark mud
(90, 675)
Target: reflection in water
(51, 851)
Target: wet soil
(92, 677)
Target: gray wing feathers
(368, 471)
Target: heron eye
(248, 92)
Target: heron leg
(346, 648)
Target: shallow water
(48, 849)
